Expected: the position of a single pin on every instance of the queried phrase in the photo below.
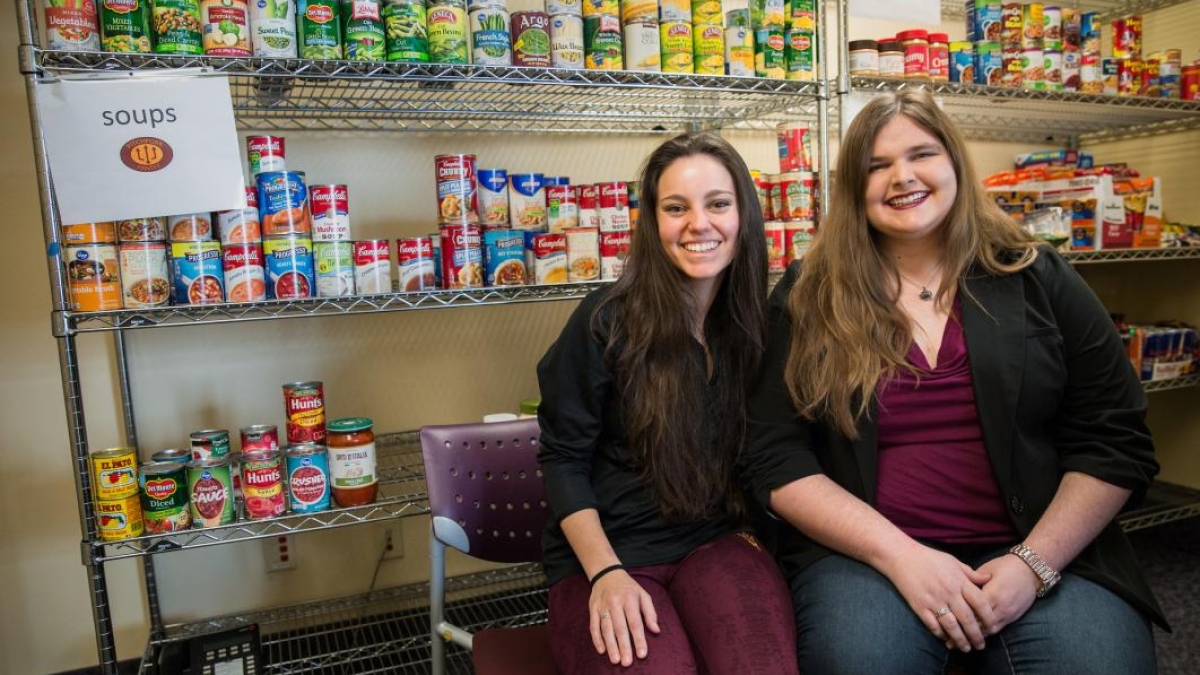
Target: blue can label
(283, 203)
(199, 272)
(290, 270)
(308, 482)
(504, 251)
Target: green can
(769, 55)
(801, 47)
(407, 36)
(602, 45)
(125, 26)
(164, 496)
(320, 27)
(447, 24)
(177, 27)
(363, 23)
(210, 491)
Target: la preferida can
(447, 23)
(531, 39)
(330, 206)
(274, 28)
(119, 518)
(210, 492)
(164, 497)
(406, 31)
(72, 26)
(176, 25)
(226, 27)
(334, 261)
(263, 494)
(145, 280)
(93, 276)
(307, 466)
(417, 262)
(372, 266)
(320, 29)
(304, 403)
(363, 27)
(114, 473)
(566, 41)
(491, 42)
(125, 26)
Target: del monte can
(125, 26)
(320, 29)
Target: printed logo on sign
(146, 154)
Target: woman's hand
(620, 612)
(945, 595)
(1011, 590)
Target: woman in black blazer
(947, 420)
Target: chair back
(485, 488)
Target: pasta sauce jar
(351, 443)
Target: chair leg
(437, 603)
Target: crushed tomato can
(307, 466)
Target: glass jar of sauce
(352, 474)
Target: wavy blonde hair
(848, 334)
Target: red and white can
(372, 266)
(416, 264)
(562, 208)
(546, 257)
(588, 197)
(795, 146)
(262, 484)
(462, 256)
(614, 248)
(798, 236)
(583, 254)
(260, 437)
(775, 231)
(456, 190)
(330, 206)
(762, 188)
(795, 196)
(614, 206)
(240, 226)
(245, 276)
(305, 406)
(1189, 83)
(266, 153)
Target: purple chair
(487, 500)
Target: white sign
(909, 11)
(148, 145)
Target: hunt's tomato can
(210, 490)
(119, 518)
(240, 226)
(114, 473)
(1189, 83)
(372, 266)
(307, 466)
(462, 256)
(289, 267)
(330, 205)
(283, 203)
(145, 281)
(245, 278)
(164, 497)
(416, 263)
(260, 437)
(266, 153)
(94, 277)
(199, 277)
(456, 190)
(305, 406)
(262, 484)
(614, 206)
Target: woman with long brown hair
(643, 419)
(948, 420)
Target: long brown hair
(847, 332)
(687, 450)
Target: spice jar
(891, 59)
(939, 57)
(351, 443)
(864, 58)
(916, 53)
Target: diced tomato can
(416, 264)
(263, 493)
(94, 277)
(458, 202)
(308, 477)
(334, 262)
(164, 497)
(145, 279)
(259, 437)
(330, 205)
(462, 256)
(199, 275)
(614, 249)
(210, 492)
(372, 266)
(283, 203)
(114, 473)
(614, 206)
(266, 153)
(289, 267)
(304, 403)
(546, 257)
(119, 518)
(89, 233)
(245, 276)
(142, 229)
(240, 226)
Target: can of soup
(198, 271)
(462, 256)
(289, 267)
(89, 233)
(334, 261)
(114, 473)
(562, 209)
(527, 201)
(493, 197)
(614, 206)
(307, 466)
(456, 195)
(190, 227)
(266, 153)
(94, 277)
(282, 203)
(240, 226)
(145, 279)
(372, 266)
(304, 403)
(504, 252)
(614, 248)
(416, 263)
(164, 497)
(210, 491)
(546, 257)
(330, 205)
(245, 277)
(583, 254)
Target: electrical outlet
(391, 540)
(280, 553)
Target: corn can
(164, 497)
(801, 45)
(676, 41)
(739, 51)
(602, 41)
(362, 24)
(406, 31)
(210, 492)
(125, 26)
(320, 29)
(177, 27)
(639, 10)
(114, 473)
(119, 518)
(601, 8)
(708, 49)
(491, 42)
(566, 41)
(769, 54)
(447, 23)
(708, 12)
(642, 45)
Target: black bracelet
(606, 570)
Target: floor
(1170, 555)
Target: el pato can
(145, 279)
(614, 248)
(245, 277)
(334, 261)
(266, 153)
(210, 491)
(262, 484)
(114, 473)
(614, 206)
(119, 518)
(372, 266)
(240, 226)
(416, 263)
(456, 191)
(493, 197)
(289, 267)
(462, 256)
(304, 403)
(164, 497)
(330, 208)
(307, 466)
(259, 437)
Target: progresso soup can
(164, 497)
(199, 275)
(282, 203)
(145, 280)
(289, 267)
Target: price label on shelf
(147, 144)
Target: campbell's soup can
(531, 39)
(416, 263)
(795, 147)
(334, 261)
(562, 209)
(259, 437)
(289, 267)
(94, 277)
(114, 473)
(504, 253)
(226, 27)
(208, 443)
(330, 206)
(72, 26)
(493, 197)
(199, 272)
(583, 254)
(527, 201)
(145, 279)
(210, 491)
(245, 276)
(142, 229)
(240, 226)
(456, 191)
(614, 248)
(546, 257)
(774, 230)
(462, 256)
(614, 206)
(89, 233)
(566, 40)
(372, 266)
(282, 203)
(266, 154)
(304, 403)
(164, 497)
(589, 205)
(190, 227)
(263, 494)
(307, 466)
(119, 518)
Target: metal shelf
(401, 493)
(1174, 383)
(956, 9)
(296, 94)
(1011, 114)
(1164, 503)
(383, 631)
(1132, 254)
(190, 315)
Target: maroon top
(935, 481)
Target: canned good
(635, 202)
(601, 7)
(1053, 70)
(72, 28)
(93, 276)
(1033, 26)
(614, 206)
(798, 236)
(527, 201)
(796, 197)
(775, 231)
(210, 492)
(1129, 77)
(677, 46)
(266, 153)
(362, 26)
(795, 147)
(708, 49)
(177, 27)
(1071, 70)
(307, 466)
(491, 43)
(1011, 25)
(114, 473)
(240, 226)
(259, 437)
(273, 27)
(962, 62)
(709, 11)
(198, 271)
(304, 403)
(1052, 28)
(493, 197)
(334, 262)
(209, 443)
(583, 254)
(1014, 69)
(457, 200)
(562, 209)
(124, 26)
(462, 256)
(372, 267)
(145, 281)
(566, 40)
(447, 22)
(164, 497)
(987, 17)
(330, 207)
(282, 203)
(226, 27)
(614, 248)
(190, 227)
(245, 276)
(1127, 37)
(262, 484)
(1189, 83)
(531, 39)
(406, 31)
(1033, 69)
(320, 29)
(417, 264)
(769, 53)
(89, 233)
(119, 518)
(352, 473)
(435, 240)
(564, 8)
(799, 55)
(588, 197)
(643, 49)
(289, 267)
(504, 255)
(989, 64)
(602, 43)
(177, 455)
(739, 51)
(546, 257)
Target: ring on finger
(604, 615)
(942, 612)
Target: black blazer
(1054, 390)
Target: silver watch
(1048, 575)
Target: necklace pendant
(925, 295)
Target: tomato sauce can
(462, 256)
(589, 205)
(119, 518)
(289, 266)
(493, 197)
(72, 27)
(142, 229)
(795, 147)
(614, 206)
(304, 403)
(245, 278)
(263, 493)
(164, 497)
(210, 492)
(266, 154)
(562, 209)
(226, 27)
(282, 203)
(330, 206)
(259, 437)
(334, 262)
(566, 41)
(307, 466)
(114, 473)
(145, 280)
(190, 227)
(372, 267)
(416, 264)
(240, 226)
(89, 233)
(210, 443)
(176, 25)
(199, 276)
(94, 277)
(456, 192)
(614, 248)
(504, 252)
(527, 201)
(546, 257)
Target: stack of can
(114, 478)
(285, 220)
(491, 33)
(602, 41)
(406, 31)
(241, 254)
(768, 19)
(333, 251)
(458, 221)
(642, 37)
(566, 33)
(788, 199)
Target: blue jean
(850, 620)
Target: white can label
(274, 32)
(566, 40)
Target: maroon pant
(723, 610)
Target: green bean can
(362, 22)
(447, 23)
(320, 29)
(164, 494)
(177, 27)
(491, 42)
(125, 26)
(407, 35)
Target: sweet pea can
(462, 256)
(643, 45)
(273, 28)
(416, 264)
(289, 267)
(245, 278)
(119, 518)
(447, 22)
(114, 473)
(334, 262)
(210, 491)
(372, 266)
(199, 275)
(240, 226)
(266, 153)
(259, 437)
(307, 466)
(262, 484)
(407, 34)
(456, 189)
(493, 197)
(330, 206)
(304, 403)
(124, 26)
(145, 280)
(491, 43)
(362, 24)
(283, 203)
(320, 29)
(566, 40)
(164, 497)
